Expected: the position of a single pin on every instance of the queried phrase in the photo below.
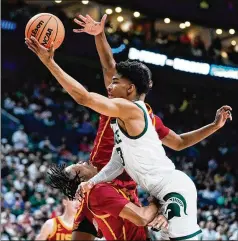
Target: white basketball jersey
(143, 156)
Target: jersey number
(119, 151)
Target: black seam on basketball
(56, 29)
(33, 22)
(44, 28)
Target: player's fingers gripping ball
(46, 28)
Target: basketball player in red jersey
(60, 228)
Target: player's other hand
(89, 25)
(83, 188)
(222, 115)
(158, 223)
(44, 54)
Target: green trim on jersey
(188, 236)
(143, 132)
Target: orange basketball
(46, 27)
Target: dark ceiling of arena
(220, 14)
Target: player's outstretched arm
(140, 216)
(92, 27)
(113, 169)
(110, 107)
(46, 230)
(182, 141)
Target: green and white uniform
(144, 159)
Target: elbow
(180, 145)
(82, 99)
(179, 148)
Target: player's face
(119, 88)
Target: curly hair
(58, 178)
(138, 73)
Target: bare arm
(46, 230)
(106, 57)
(116, 107)
(182, 141)
(96, 29)
(140, 216)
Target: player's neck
(68, 217)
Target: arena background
(41, 124)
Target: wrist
(101, 34)
(215, 126)
(49, 62)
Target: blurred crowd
(179, 44)
(49, 117)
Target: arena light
(118, 49)
(120, 19)
(232, 31)
(187, 24)
(182, 25)
(219, 31)
(191, 66)
(224, 54)
(85, 2)
(167, 20)
(108, 11)
(224, 71)
(184, 65)
(125, 26)
(118, 9)
(58, 1)
(204, 4)
(136, 14)
(147, 57)
(233, 43)
(8, 25)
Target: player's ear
(130, 89)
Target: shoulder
(129, 109)
(50, 223)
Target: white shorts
(179, 205)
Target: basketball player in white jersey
(60, 227)
(137, 146)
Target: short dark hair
(58, 178)
(138, 73)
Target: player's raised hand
(222, 115)
(44, 54)
(83, 188)
(89, 25)
(158, 223)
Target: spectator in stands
(209, 233)
(198, 47)
(215, 49)
(20, 139)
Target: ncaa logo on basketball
(47, 36)
(176, 205)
